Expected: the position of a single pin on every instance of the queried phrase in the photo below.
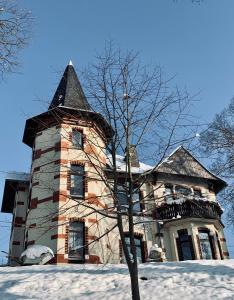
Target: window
(77, 181)
(138, 244)
(205, 244)
(77, 139)
(197, 193)
(169, 193)
(136, 198)
(123, 199)
(76, 241)
(182, 190)
(184, 245)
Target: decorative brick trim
(33, 203)
(45, 200)
(59, 258)
(59, 218)
(20, 203)
(78, 162)
(17, 225)
(59, 176)
(30, 243)
(37, 154)
(66, 239)
(58, 236)
(19, 221)
(21, 188)
(48, 150)
(92, 220)
(120, 249)
(86, 240)
(86, 186)
(62, 145)
(92, 237)
(69, 180)
(93, 259)
(33, 225)
(93, 199)
(60, 161)
(60, 196)
(77, 219)
(16, 243)
(222, 239)
(35, 184)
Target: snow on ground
(179, 280)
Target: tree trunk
(134, 282)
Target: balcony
(189, 209)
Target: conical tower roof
(69, 92)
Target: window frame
(211, 243)
(71, 258)
(75, 143)
(122, 190)
(141, 247)
(74, 174)
(180, 243)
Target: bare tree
(15, 30)
(147, 117)
(217, 141)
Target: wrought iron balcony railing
(189, 208)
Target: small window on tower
(77, 181)
(77, 139)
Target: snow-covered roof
(183, 162)
(121, 165)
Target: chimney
(133, 157)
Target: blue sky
(193, 42)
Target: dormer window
(182, 191)
(77, 139)
(176, 193)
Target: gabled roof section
(182, 162)
(69, 92)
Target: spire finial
(70, 63)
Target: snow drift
(208, 279)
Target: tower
(68, 153)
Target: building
(64, 202)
